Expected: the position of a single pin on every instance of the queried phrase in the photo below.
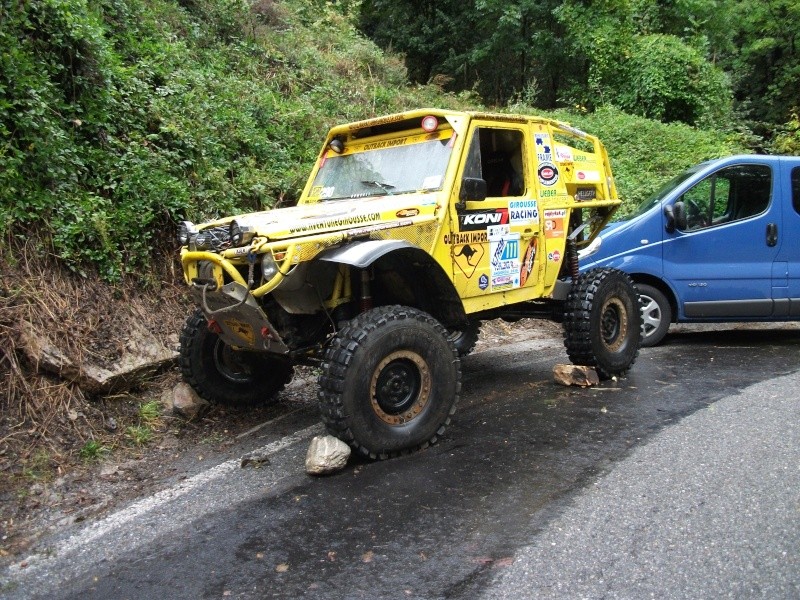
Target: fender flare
(363, 254)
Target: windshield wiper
(386, 187)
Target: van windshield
(662, 192)
(383, 170)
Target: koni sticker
(473, 220)
(548, 173)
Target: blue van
(720, 242)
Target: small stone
(575, 375)
(187, 403)
(255, 459)
(326, 454)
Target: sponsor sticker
(483, 282)
(407, 212)
(588, 176)
(495, 232)
(523, 212)
(504, 262)
(527, 262)
(474, 220)
(544, 150)
(548, 173)
(564, 154)
(584, 194)
(554, 256)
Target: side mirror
(681, 220)
(669, 214)
(472, 188)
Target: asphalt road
(678, 481)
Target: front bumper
(235, 315)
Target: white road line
(138, 509)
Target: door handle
(772, 234)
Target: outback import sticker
(474, 220)
(548, 173)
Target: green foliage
(787, 141)
(669, 81)
(150, 412)
(120, 117)
(139, 435)
(93, 450)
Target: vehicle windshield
(387, 170)
(662, 192)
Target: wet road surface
(438, 524)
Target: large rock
(326, 454)
(143, 355)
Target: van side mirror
(472, 188)
(681, 220)
(669, 215)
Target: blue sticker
(483, 282)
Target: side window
(796, 189)
(731, 194)
(495, 155)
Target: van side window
(495, 155)
(732, 194)
(796, 189)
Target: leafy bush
(120, 117)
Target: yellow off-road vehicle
(412, 229)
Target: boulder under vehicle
(411, 230)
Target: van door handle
(772, 234)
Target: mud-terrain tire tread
(582, 321)
(196, 341)
(342, 356)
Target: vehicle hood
(338, 215)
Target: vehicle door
(494, 238)
(720, 256)
(787, 266)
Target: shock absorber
(366, 294)
(572, 257)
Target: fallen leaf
(367, 556)
(282, 568)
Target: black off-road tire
(465, 339)
(226, 376)
(390, 381)
(656, 314)
(603, 322)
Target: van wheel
(603, 322)
(390, 380)
(656, 314)
(224, 375)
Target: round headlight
(268, 266)
(240, 234)
(185, 231)
(236, 234)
